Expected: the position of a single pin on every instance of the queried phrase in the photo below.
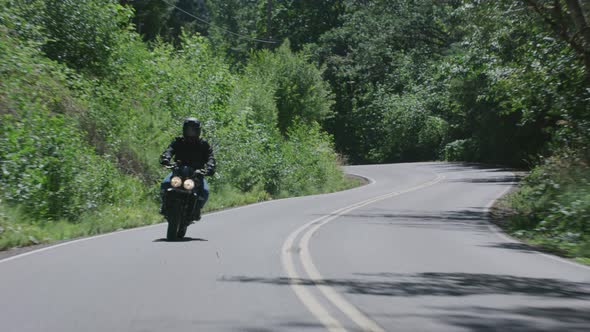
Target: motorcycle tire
(182, 231)
(173, 227)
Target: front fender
(180, 204)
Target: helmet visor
(190, 131)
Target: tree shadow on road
(463, 166)
(503, 180)
(524, 318)
(468, 219)
(439, 284)
(520, 247)
(512, 318)
(483, 173)
(545, 318)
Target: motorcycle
(182, 199)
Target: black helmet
(191, 128)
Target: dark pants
(203, 195)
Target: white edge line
(69, 242)
(500, 233)
(93, 237)
(371, 180)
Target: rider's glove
(165, 162)
(199, 172)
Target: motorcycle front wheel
(182, 231)
(173, 225)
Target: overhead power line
(223, 29)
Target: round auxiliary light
(189, 184)
(176, 182)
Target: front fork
(187, 203)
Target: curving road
(412, 251)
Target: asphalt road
(412, 251)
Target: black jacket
(197, 154)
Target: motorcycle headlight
(189, 184)
(176, 182)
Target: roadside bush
(558, 194)
(47, 167)
(299, 89)
(552, 205)
(461, 150)
(409, 131)
(253, 96)
(310, 161)
(242, 154)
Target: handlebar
(202, 172)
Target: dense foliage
(503, 82)
(467, 79)
(87, 107)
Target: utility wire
(226, 30)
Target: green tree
(299, 89)
(183, 18)
(570, 20)
(380, 46)
(510, 83)
(233, 28)
(83, 33)
(151, 16)
(301, 21)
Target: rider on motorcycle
(191, 150)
